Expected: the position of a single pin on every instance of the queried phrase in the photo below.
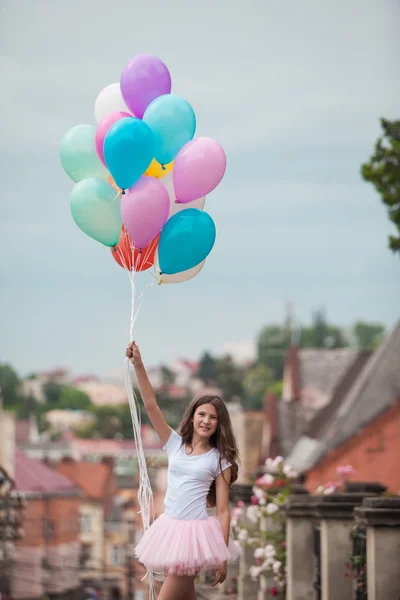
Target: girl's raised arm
(156, 417)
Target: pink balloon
(144, 210)
(102, 130)
(199, 167)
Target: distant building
(361, 425)
(47, 557)
(34, 385)
(248, 428)
(63, 420)
(99, 486)
(7, 440)
(310, 378)
(103, 393)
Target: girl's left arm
(222, 505)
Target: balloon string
(145, 493)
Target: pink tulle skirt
(172, 546)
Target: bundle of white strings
(145, 493)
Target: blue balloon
(186, 240)
(128, 151)
(173, 123)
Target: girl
(202, 464)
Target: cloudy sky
(293, 90)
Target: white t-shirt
(189, 480)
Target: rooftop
(34, 476)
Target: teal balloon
(173, 123)
(128, 151)
(95, 208)
(78, 155)
(185, 241)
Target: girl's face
(205, 420)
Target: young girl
(202, 464)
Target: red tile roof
(90, 477)
(34, 476)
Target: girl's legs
(177, 587)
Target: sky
(292, 90)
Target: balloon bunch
(141, 177)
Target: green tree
(52, 392)
(276, 388)
(383, 171)
(207, 368)
(321, 334)
(73, 399)
(10, 385)
(255, 383)
(272, 344)
(368, 335)
(229, 378)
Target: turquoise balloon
(78, 155)
(128, 151)
(173, 123)
(186, 240)
(95, 208)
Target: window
(85, 523)
(116, 556)
(85, 556)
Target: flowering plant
(331, 487)
(267, 534)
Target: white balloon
(109, 100)
(174, 206)
(176, 277)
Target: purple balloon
(144, 210)
(144, 79)
(198, 168)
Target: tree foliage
(368, 335)
(383, 171)
(321, 334)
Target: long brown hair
(222, 439)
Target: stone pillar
(335, 512)
(381, 516)
(300, 562)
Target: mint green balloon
(95, 208)
(78, 154)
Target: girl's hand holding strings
(133, 353)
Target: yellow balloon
(156, 170)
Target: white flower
(268, 562)
(259, 553)
(243, 535)
(252, 514)
(268, 479)
(262, 500)
(320, 489)
(269, 551)
(258, 492)
(234, 522)
(290, 472)
(254, 572)
(278, 461)
(270, 465)
(276, 566)
(237, 512)
(271, 508)
(329, 490)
